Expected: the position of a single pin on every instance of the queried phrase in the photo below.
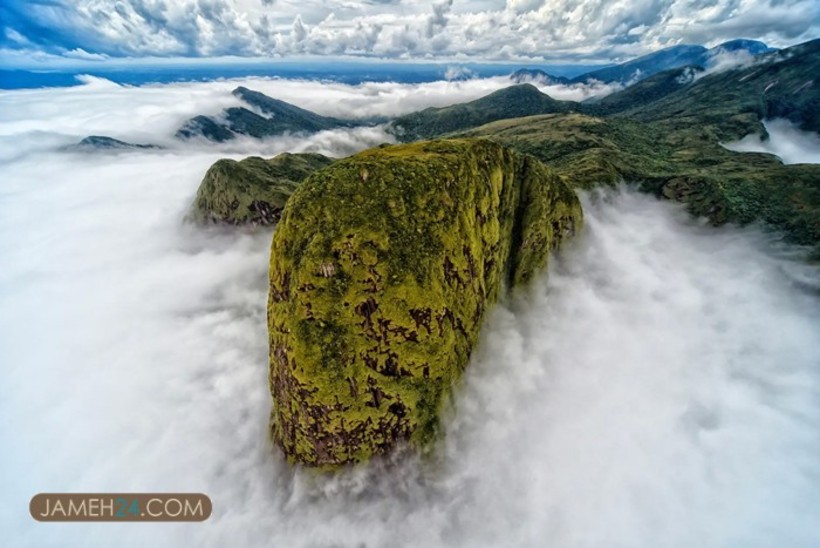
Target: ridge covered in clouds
(153, 113)
(485, 29)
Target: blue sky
(43, 31)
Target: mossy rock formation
(253, 190)
(382, 268)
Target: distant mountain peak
(269, 117)
(510, 102)
(754, 47)
(537, 75)
(94, 143)
(672, 57)
(523, 89)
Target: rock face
(382, 268)
(253, 190)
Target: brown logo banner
(120, 507)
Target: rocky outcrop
(382, 269)
(253, 190)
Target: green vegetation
(779, 85)
(646, 91)
(382, 268)
(688, 165)
(665, 133)
(511, 102)
(587, 150)
(253, 190)
(782, 85)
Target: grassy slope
(686, 165)
(511, 102)
(784, 84)
(665, 133)
(731, 102)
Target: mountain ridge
(665, 95)
(665, 134)
(273, 117)
(518, 100)
(639, 68)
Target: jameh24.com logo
(120, 507)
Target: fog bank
(785, 141)
(660, 385)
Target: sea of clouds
(45, 119)
(660, 385)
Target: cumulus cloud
(519, 29)
(657, 386)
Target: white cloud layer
(483, 29)
(785, 141)
(659, 387)
(33, 120)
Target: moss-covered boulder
(253, 190)
(382, 268)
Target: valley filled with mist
(657, 384)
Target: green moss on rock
(382, 268)
(253, 190)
